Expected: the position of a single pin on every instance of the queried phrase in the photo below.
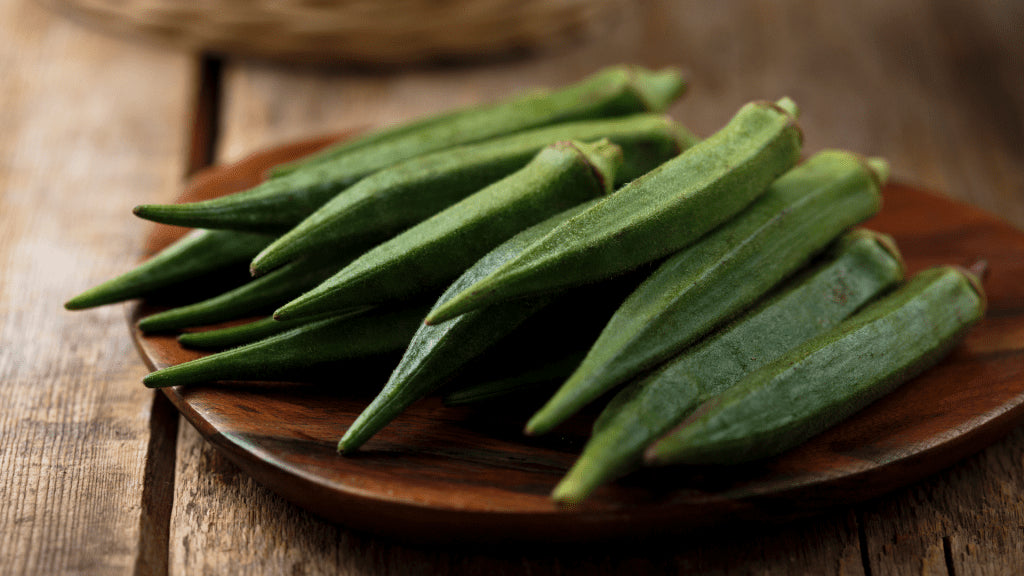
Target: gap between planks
(161, 452)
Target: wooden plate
(458, 473)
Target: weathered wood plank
(875, 77)
(964, 521)
(90, 127)
(224, 522)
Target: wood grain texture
(934, 86)
(90, 127)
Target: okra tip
(457, 306)
(263, 263)
(570, 491)
(581, 388)
(541, 422)
(358, 433)
(658, 89)
(82, 301)
(292, 310)
(159, 322)
(673, 447)
(201, 214)
(342, 448)
(273, 256)
(161, 379)
(484, 292)
(259, 267)
(653, 455)
(155, 212)
(354, 437)
(109, 292)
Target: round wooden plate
(440, 472)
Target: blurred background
(106, 104)
(934, 86)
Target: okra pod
(259, 295)
(542, 352)
(859, 267)
(614, 91)
(197, 254)
(282, 202)
(395, 198)
(234, 336)
(437, 250)
(832, 376)
(700, 287)
(655, 215)
(438, 351)
(323, 341)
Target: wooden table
(99, 475)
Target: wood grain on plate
(441, 472)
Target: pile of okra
(574, 243)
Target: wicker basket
(354, 31)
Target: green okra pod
(437, 250)
(542, 352)
(729, 269)
(653, 216)
(438, 351)
(197, 254)
(234, 336)
(319, 342)
(858, 268)
(279, 203)
(395, 198)
(259, 295)
(614, 91)
(832, 376)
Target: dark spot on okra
(841, 291)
